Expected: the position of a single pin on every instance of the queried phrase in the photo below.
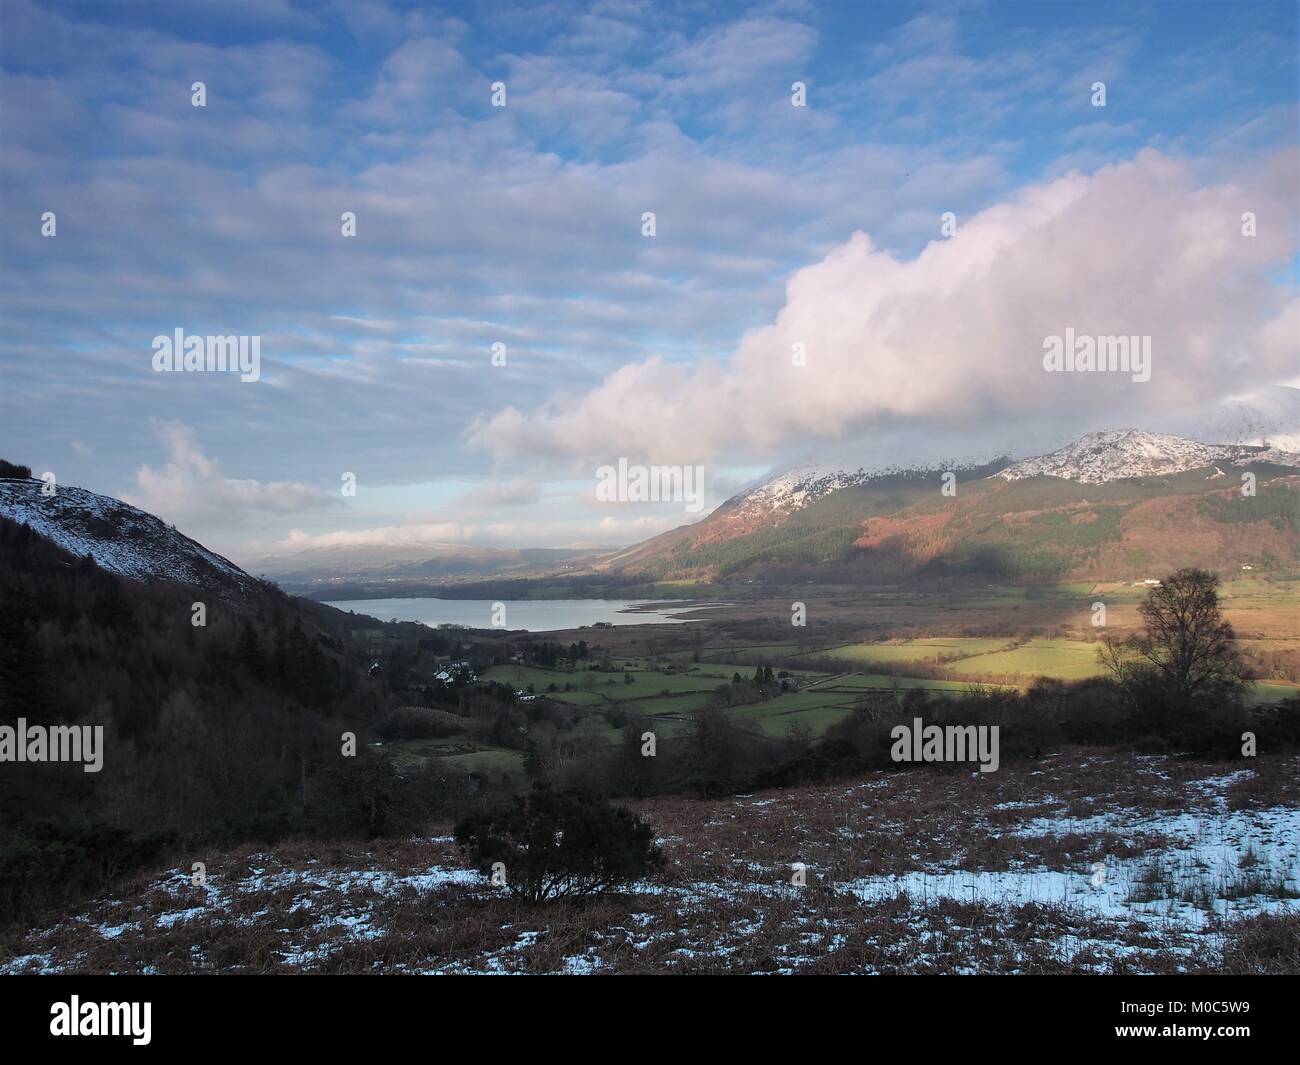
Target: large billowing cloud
(1141, 248)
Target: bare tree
(1188, 653)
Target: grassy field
(1272, 691)
(982, 650)
(823, 700)
(590, 686)
(766, 651)
(929, 650)
(490, 758)
(1063, 659)
(772, 719)
(879, 681)
(1059, 659)
(669, 704)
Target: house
(455, 671)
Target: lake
(535, 615)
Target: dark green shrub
(560, 845)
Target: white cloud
(516, 492)
(412, 535)
(957, 332)
(192, 488)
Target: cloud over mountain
(1141, 248)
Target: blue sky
(522, 225)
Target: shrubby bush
(560, 844)
(361, 797)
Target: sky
(818, 228)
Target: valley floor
(1085, 861)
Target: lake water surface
(535, 615)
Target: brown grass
(725, 902)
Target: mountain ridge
(1100, 504)
(1122, 454)
(1105, 504)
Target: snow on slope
(1092, 459)
(119, 537)
(803, 485)
(1116, 454)
(798, 487)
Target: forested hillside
(225, 730)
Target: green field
(1272, 691)
(822, 700)
(492, 759)
(931, 650)
(669, 704)
(1059, 659)
(878, 681)
(1063, 659)
(771, 720)
(768, 651)
(590, 686)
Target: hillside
(917, 872)
(225, 729)
(1110, 506)
(118, 537)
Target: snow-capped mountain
(893, 523)
(1109, 455)
(1117, 454)
(803, 485)
(119, 537)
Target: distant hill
(1113, 505)
(322, 571)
